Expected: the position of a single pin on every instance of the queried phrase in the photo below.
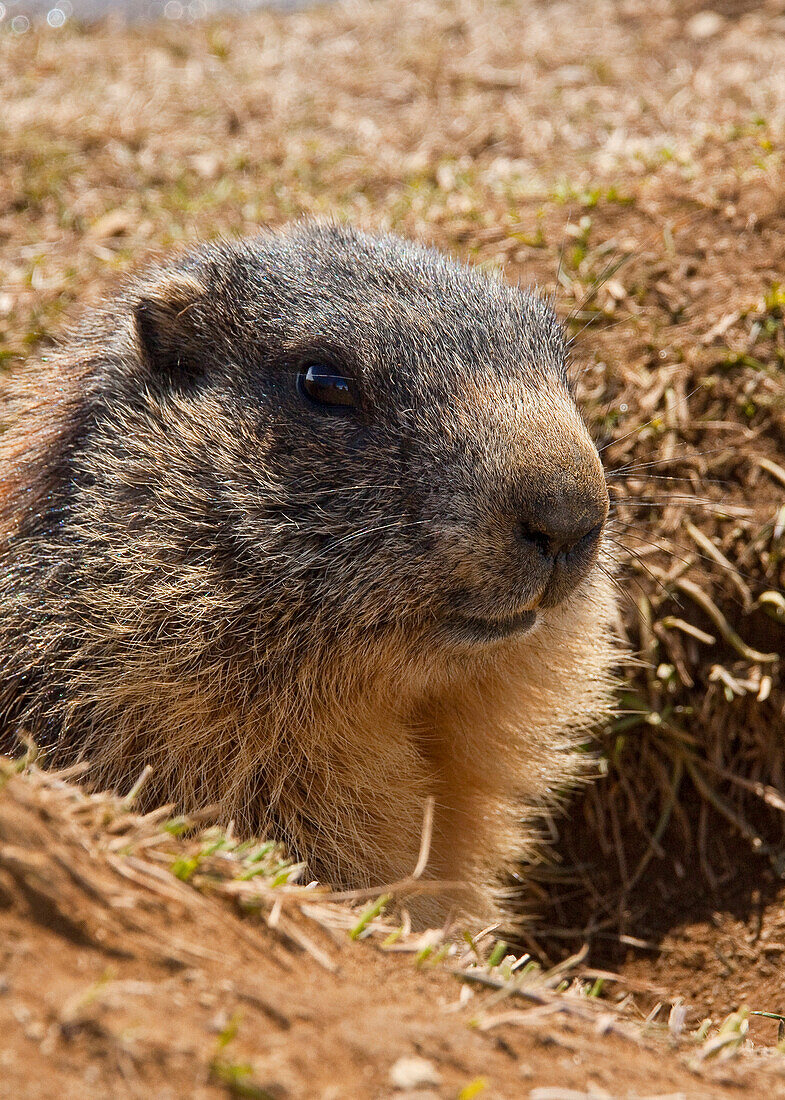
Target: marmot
(311, 524)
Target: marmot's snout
(526, 525)
(567, 522)
(560, 528)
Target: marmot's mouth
(478, 631)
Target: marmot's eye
(321, 384)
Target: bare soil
(628, 158)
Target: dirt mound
(117, 977)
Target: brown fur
(201, 574)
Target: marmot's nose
(566, 521)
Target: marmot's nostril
(563, 526)
(538, 539)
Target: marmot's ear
(165, 331)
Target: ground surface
(628, 157)
(118, 979)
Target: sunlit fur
(202, 572)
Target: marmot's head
(336, 436)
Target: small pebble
(413, 1072)
(705, 25)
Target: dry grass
(633, 170)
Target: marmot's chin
(471, 630)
